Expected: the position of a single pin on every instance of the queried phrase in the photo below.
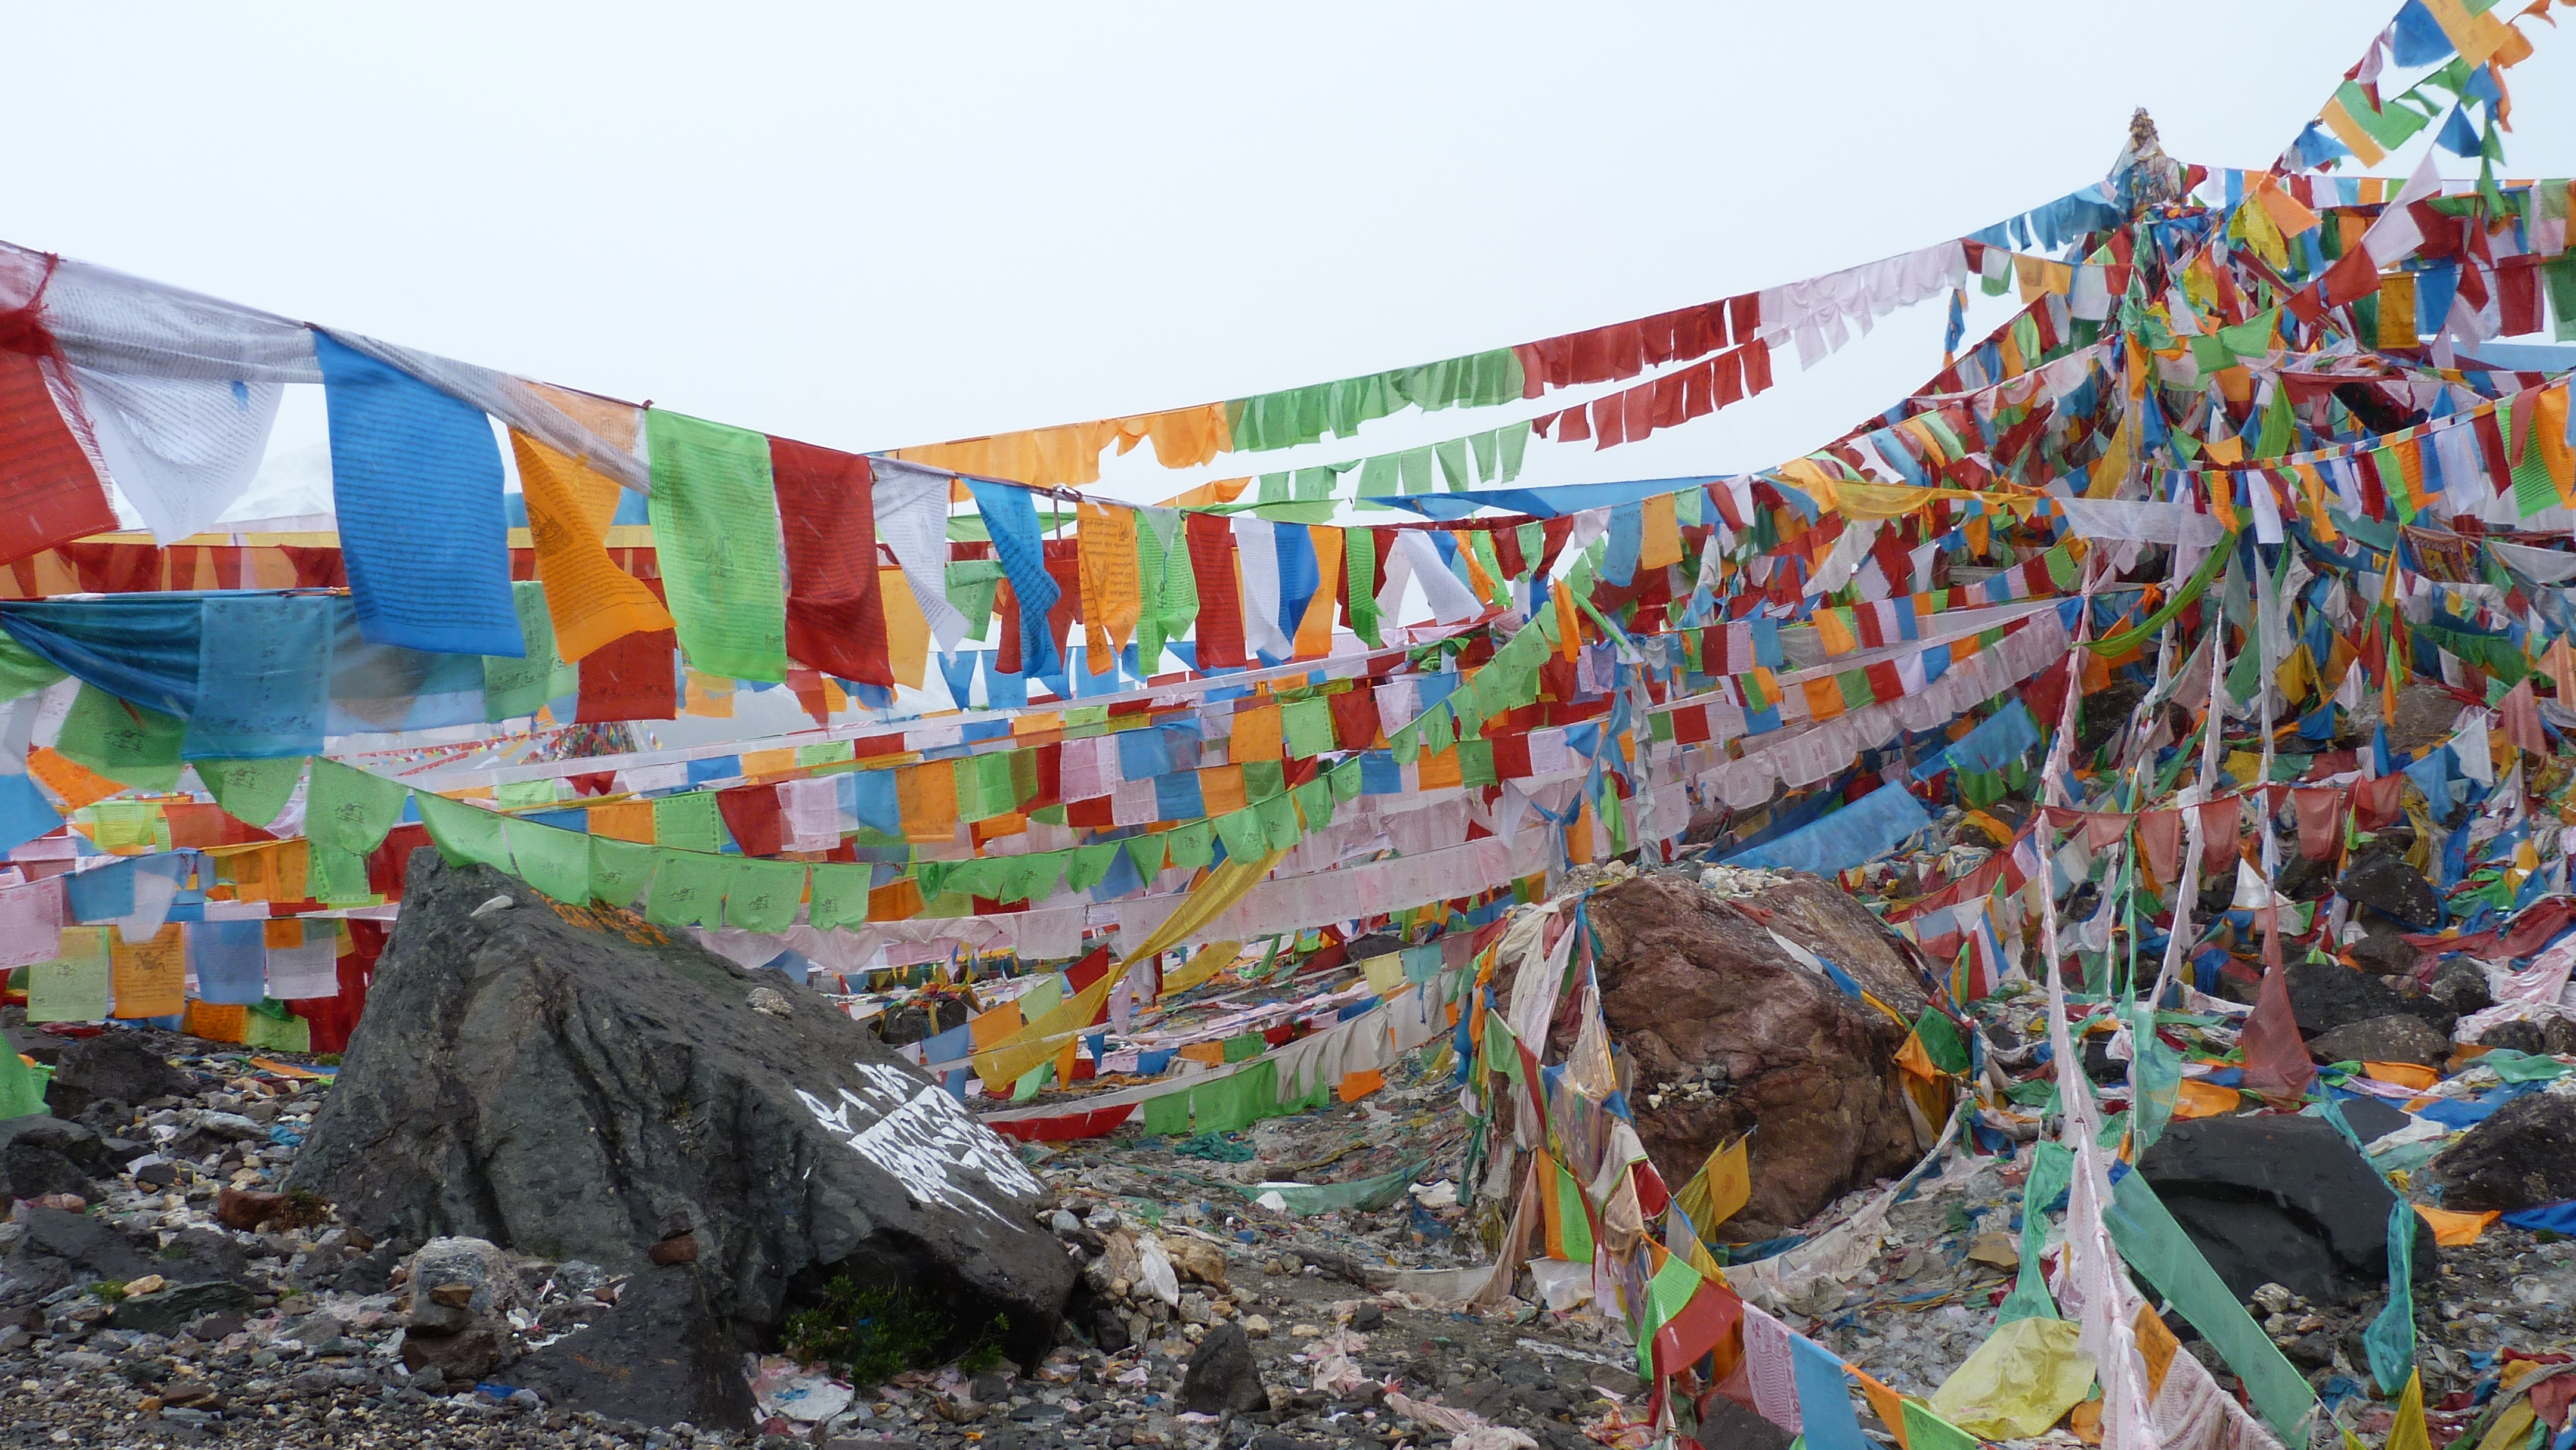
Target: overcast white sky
(875, 226)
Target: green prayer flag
(1346, 779)
(1152, 544)
(1168, 1115)
(22, 670)
(619, 870)
(970, 586)
(1453, 464)
(1414, 465)
(512, 688)
(276, 1034)
(1089, 865)
(122, 741)
(1315, 801)
(1379, 477)
(688, 890)
(1245, 835)
(465, 835)
(1359, 562)
(251, 791)
(2158, 1251)
(350, 810)
(1279, 822)
(335, 877)
(763, 895)
(520, 795)
(1146, 852)
(689, 821)
(1925, 1430)
(22, 1088)
(1194, 845)
(555, 862)
(2052, 1167)
(73, 987)
(1307, 727)
(715, 520)
(840, 896)
(1476, 762)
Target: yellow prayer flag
(1207, 962)
(1384, 973)
(1721, 1188)
(150, 978)
(1106, 540)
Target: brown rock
(1691, 983)
(1196, 1260)
(454, 1296)
(465, 1356)
(678, 1249)
(245, 1208)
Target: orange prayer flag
(624, 821)
(926, 796)
(1661, 545)
(1221, 788)
(570, 504)
(215, 1023)
(2453, 1229)
(74, 782)
(1357, 1085)
(1315, 630)
(1256, 735)
(1440, 769)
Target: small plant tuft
(111, 1291)
(874, 1333)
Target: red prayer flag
(630, 678)
(2219, 821)
(827, 521)
(1220, 629)
(2277, 1066)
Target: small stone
(1256, 1326)
(148, 1284)
(1994, 1248)
(246, 1209)
(1304, 1331)
(2273, 1299)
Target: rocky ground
(276, 1326)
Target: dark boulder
(2373, 1118)
(2325, 996)
(2516, 1035)
(2522, 1156)
(180, 1304)
(113, 1066)
(659, 1356)
(574, 1083)
(1730, 1032)
(2385, 952)
(2461, 985)
(1724, 1422)
(41, 1155)
(2382, 882)
(2397, 1038)
(1222, 1375)
(2280, 1200)
(61, 1248)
